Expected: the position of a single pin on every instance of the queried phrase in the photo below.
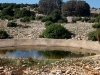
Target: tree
(82, 9)
(56, 31)
(68, 8)
(7, 11)
(75, 8)
(46, 6)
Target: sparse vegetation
(12, 24)
(92, 36)
(3, 34)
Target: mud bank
(50, 42)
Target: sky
(92, 3)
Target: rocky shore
(74, 66)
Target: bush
(76, 19)
(25, 19)
(38, 17)
(97, 25)
(46, 18)
(3, 34)
(92, 36)
(97, 19)
(12, 24)
(32, 18)
(84, 19)
(73, 20)
(56, 31)
(60, 21)
(91, 20)
(64, 19)
(48, 23)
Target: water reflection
(57, 54)
(49, 54)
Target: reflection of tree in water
(56, 54)
(5, 51)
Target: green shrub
(97, 19)
(12, 24)
(25, 19)
(32, 18)
(97, 25)
(91, 20)
(60, 21)
(38, 17)
(48, 23)
(73, 20)
(85, 19)
(46, 18)
(76, 19)
(3, 34)
(64, 19)
(56, 31)
(92, 36)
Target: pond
(45, 52)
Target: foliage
(97, 19)
(48, 23)
(1, 8)
(82, 9)
(46, 18)
(73, 20)
(25, 19)
(56, 31)
(64, 19)
(34, 6)
(11, 24)
(3, 34)
(56, 15)
(92, 36)
(7, 11)
(75, 8)
(60, 21)
(68, 8)
(25, 12)
(97, 25)
(32, 18)
(46, 6)
(91, 20)
(38, 17)
(85, 19)
(12, 10)
(76, 19)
